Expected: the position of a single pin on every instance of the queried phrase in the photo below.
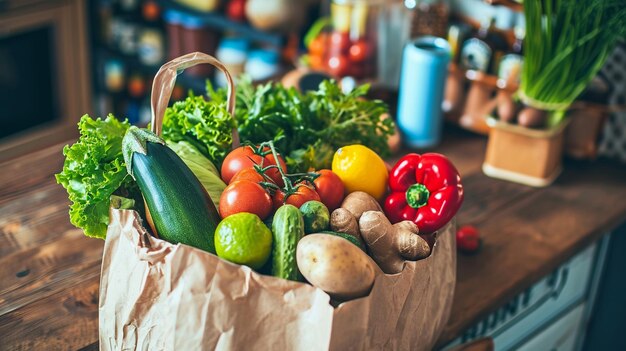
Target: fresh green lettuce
(206, 125)
(94, 170)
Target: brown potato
(336, 266)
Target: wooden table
(49, 272)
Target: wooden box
(523, 155)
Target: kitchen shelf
(219, 20)
(511, 4)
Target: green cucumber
(180, 207)
(287, 229)
(346, 236)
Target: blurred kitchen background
(60, 59)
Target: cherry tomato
(468, 239)
(303, 194)
(236, 10)
(339, 42)
(244, 157)
(330, 188)
(245, 196)
(359, 51)
(319, 45)
(338, 65)
(248, 174)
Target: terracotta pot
(524, 155)
(583, 132)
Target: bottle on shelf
(509, 71)
(481, 51)
(510, 65)
(430, 17)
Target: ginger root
(359, 202)
(390, 245)
(345, 219)
(342, 221)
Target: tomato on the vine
(303, 194)
(244, 157)
(248, 174)
(330, 188)
(245, 196)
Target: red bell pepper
(425, 189)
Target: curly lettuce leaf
(206, 125)
(93, 170)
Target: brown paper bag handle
(165, 79)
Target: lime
(243, 238)
(361, 169)
(316, 216)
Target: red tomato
(245, 196)
(319, 45)
(339, 42)
(330, 188)
(468, 239)
(303, 194)
(359, 51)
(236, 10)
(248, 174)
(338, 65)
(243, 157)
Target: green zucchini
(180, 207)
(346, 236)
(287, 229)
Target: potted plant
(566, 44)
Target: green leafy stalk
(310, 125)
(567, 43)
(93, 171)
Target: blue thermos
(422, 79)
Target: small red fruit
(359, 51)
(338, 65)
(339, 42)
(468, 239)
(330, 188)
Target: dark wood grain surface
(49, 272)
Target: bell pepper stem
(417, 195)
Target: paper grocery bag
(159, 296)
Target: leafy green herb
(206, 125)
(310, 126)
(94, 170)
(567, 42)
